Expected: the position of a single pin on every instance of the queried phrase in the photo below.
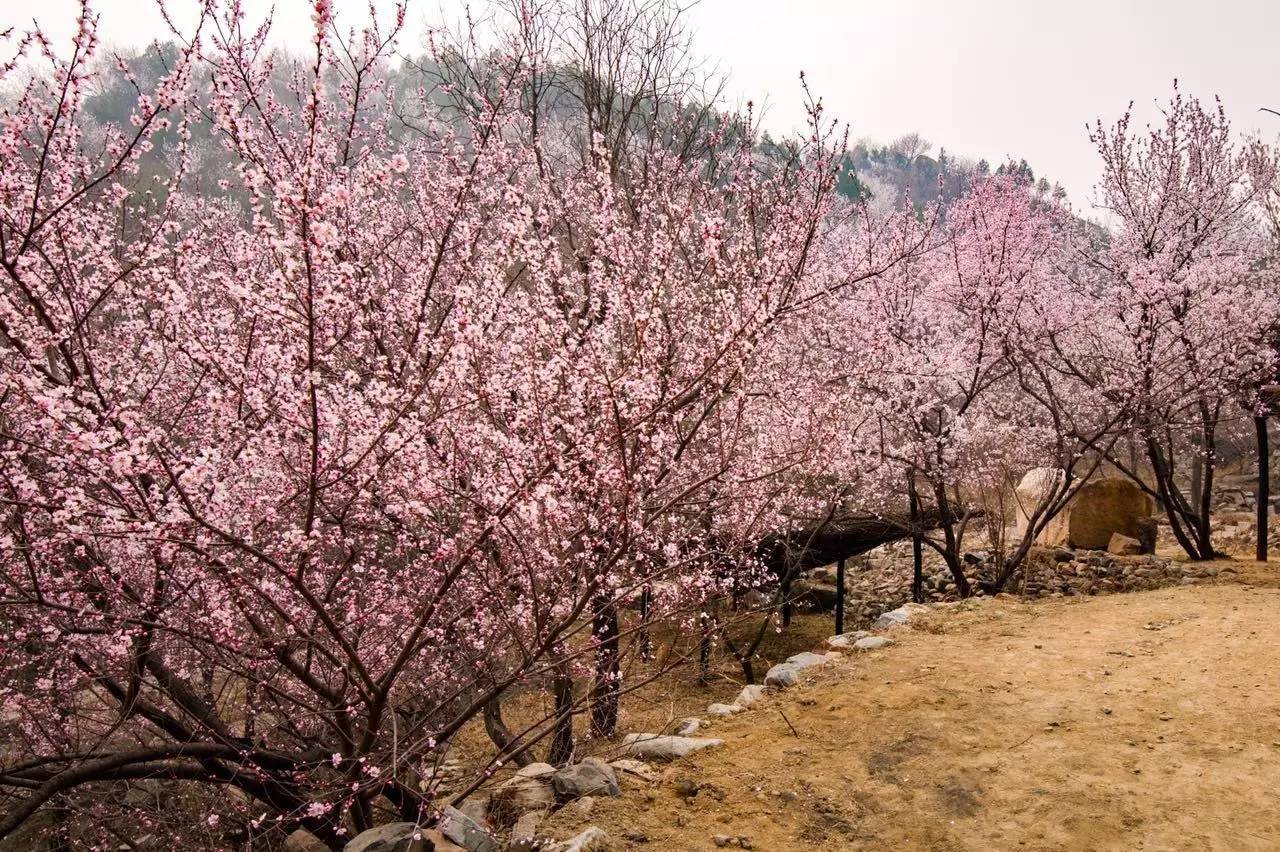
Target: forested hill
(884, 175)
(908, 167)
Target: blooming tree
(1182, 303)
(301, 476)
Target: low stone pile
(880, 580)
(1092, 572)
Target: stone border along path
(536, 788)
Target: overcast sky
(985, 78)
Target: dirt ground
(1137, 721)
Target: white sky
(985, 78)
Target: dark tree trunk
(646, 640)
(608, 679)
(787, 608)
(951, 544)
(840, 597)
(1204, 517)
(561, 751)
(917, 546)
(1189, 527)
(704, 650)
(1264, 485)
(501, 735)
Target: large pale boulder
(662, 747)
(1100, 509)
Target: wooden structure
(840, 538)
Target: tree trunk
(646, 640)
(917, 546)
(501, 735)
(608, 680)
(1184, 522)
(951, 544)
(1204, 517)
(704, 650)
(561, 751)
(1264, 485)
(840, 597)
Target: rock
(872, 643)
(1123, 545)
(898, 617)
(536, 770)
(845, 640)
(304, 841)
(1063, 555)
(524, 836)
(466, 832)
(782, 676)
(806, 660)
(662, 747)
(477, 809)
(688, 726)
(1100, 508)
(635, 769)
(749, 695)
(591, 838)
(591, 777)
(522, 793)
(724, 709)
(392, 837)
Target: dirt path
(1141, 721)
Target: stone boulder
(665, 747)
(844, 641)
(588, 839)
(591, 777)
(750, 694)
(1123, 545)
(465, 831)
(401, 837)
(898, 617)
(528, 790)
(524, 835)
(782, 676)
(688, 727)
(1100, 509)
(304, 841)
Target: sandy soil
(1138, 721)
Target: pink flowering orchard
(303, 476)
(446, 401)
